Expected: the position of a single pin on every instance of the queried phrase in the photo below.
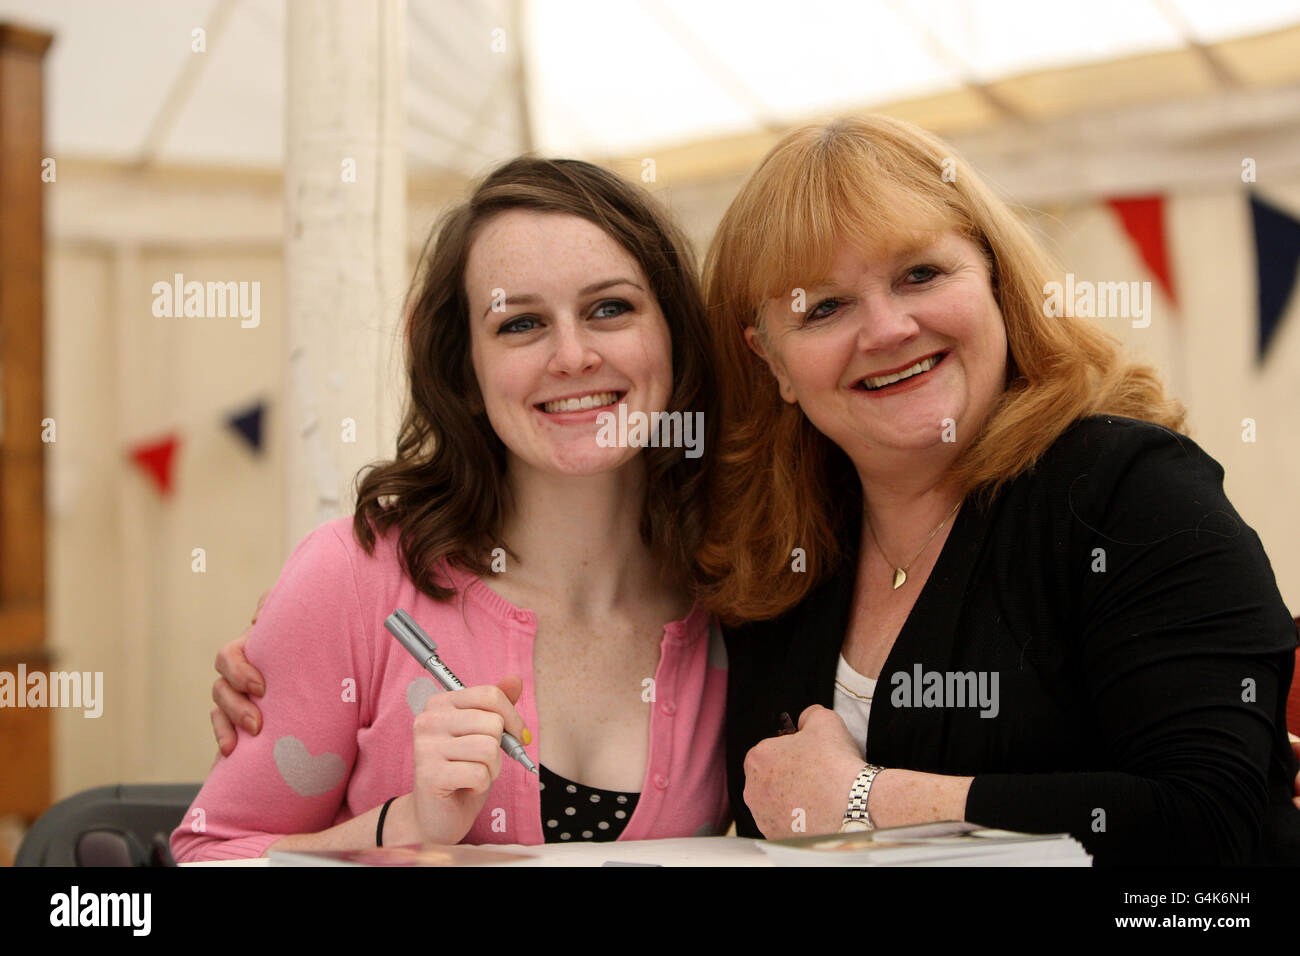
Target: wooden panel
(25, 754)
(22, 629)
(22, 276)
(24, 732)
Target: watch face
(855, 826)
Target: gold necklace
(900, 573)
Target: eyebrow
(528, 298)
(909, 250)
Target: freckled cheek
(664, 378)
(653, 357)
(503, 396)
(658, 364)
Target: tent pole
(345, 263)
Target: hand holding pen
(411, 636)
(458, 740)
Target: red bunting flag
(1143, 218)
(156, 459)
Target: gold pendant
(899, 577)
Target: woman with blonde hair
(964, 542)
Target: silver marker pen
(412, 637)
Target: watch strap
(856, 816)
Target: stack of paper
(683, 851)
(427, 855)
(929, 844)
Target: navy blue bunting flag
(1277, 252)
(249, 424)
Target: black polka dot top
(572, 812)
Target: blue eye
(516, 325)
(618, 304)
(929, 272)
(820, 311)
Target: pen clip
(403, 627)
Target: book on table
(950, 843)
(414, 855)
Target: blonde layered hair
(781, 485)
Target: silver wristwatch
(856, 816)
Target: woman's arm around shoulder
(311, 643)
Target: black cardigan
(1141, 708)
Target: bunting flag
(249, 424)
(156, 459)
(1143, 218)
(1277, 255)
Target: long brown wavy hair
(446, 490)
(779, 484)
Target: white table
(685, 851)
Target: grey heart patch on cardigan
(418, 693)
(308, 776)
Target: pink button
(661, 781)
(668, 707)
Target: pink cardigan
(342, 694)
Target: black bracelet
(379, 830)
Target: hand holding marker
(411, 636)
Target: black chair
(120, 825)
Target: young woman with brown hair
(551, 568)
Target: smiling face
(850, 360)
(580, 333)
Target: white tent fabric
(601, 78)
